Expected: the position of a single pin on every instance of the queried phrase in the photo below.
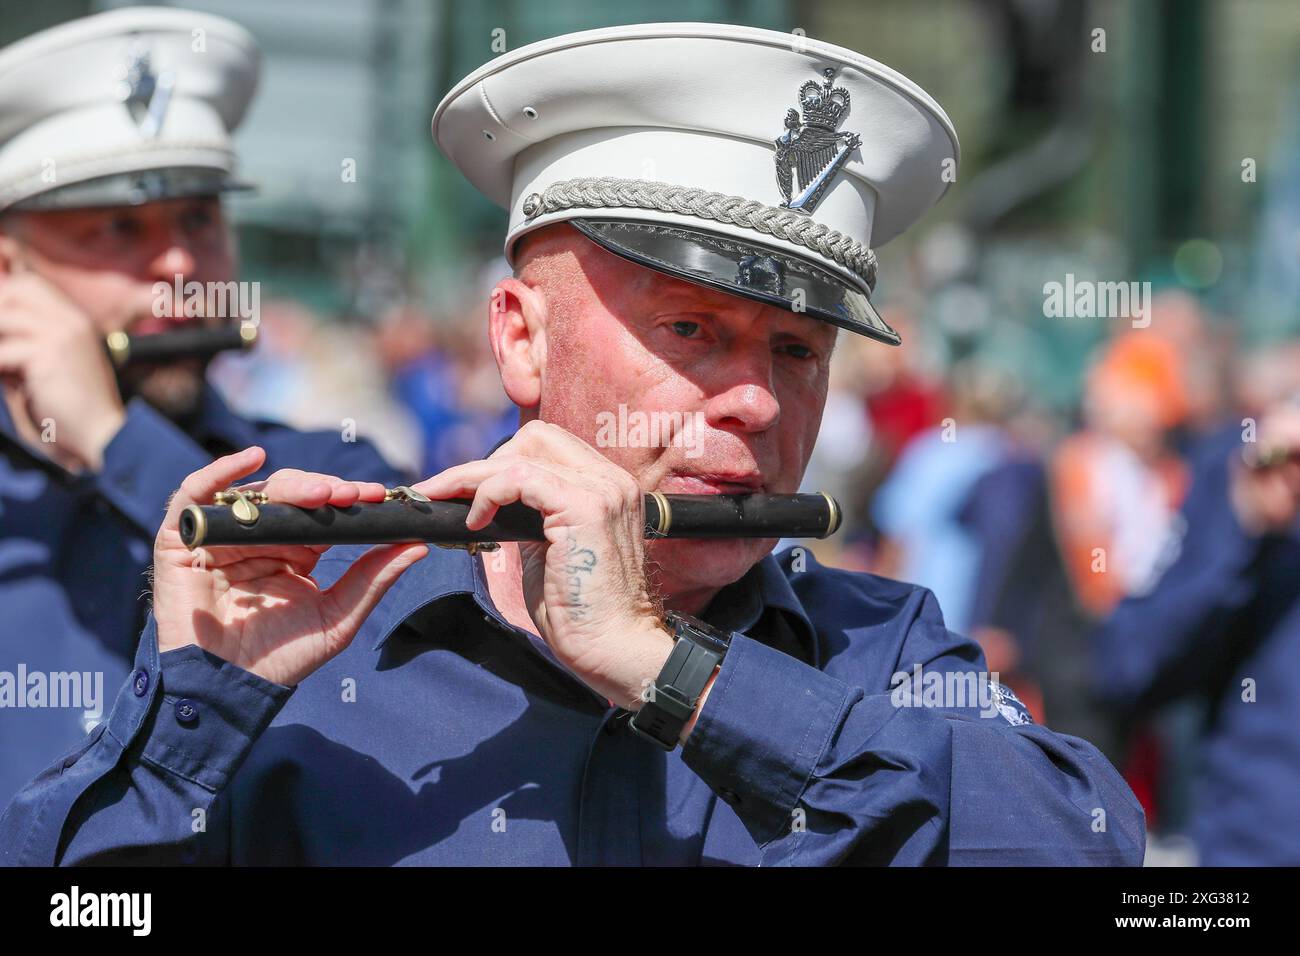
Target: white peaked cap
(761, 163)
(123, 107)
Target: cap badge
(146, 94)
(813, 148)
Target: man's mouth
(159, 326)
(713, 483)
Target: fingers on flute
(301, 559)
(537, 487)
(370, 490)
(459, 480)
(311, 490)
(256, 569)
(293, 487)
(199, 486)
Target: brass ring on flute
(248, 334)
(200, 521)
(833, 520)
(665, 513)
(119, 347)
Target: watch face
(701, 633)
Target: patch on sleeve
(1010, 706)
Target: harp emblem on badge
(811, 149)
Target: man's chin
(174, 390)
(684, 566)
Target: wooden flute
(245, 518)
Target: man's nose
(747, 400)
(172, 260)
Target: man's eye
(196, 220)
(798, 351)
(122, 227)
(686, 329)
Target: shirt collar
(441, 573)
(216, 420)
(6, 420)
(739, 606)
(9, 436)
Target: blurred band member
(114, 151)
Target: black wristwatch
(698, 652)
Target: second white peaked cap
(128, 106)
(761, 163)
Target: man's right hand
(259, 608)
(50, 348)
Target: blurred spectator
(901, 399)
(919, 507)
(446, 376)
(317, 374)
(1222, 628)
(845, 439)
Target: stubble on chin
(174, 390)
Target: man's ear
(517, 315)
(10, 248)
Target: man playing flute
(593, 698)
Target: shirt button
(730, 797)
(140, 682)
(186, 712)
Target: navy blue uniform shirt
(444, 735)
(1222, 626)
(74, 550)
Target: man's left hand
(585, 586)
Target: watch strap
(696, 655)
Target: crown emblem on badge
(823, 105)
(812, 149)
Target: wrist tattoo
(577, 562)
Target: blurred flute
(179, 344)
(245, 518)
(1269, 456)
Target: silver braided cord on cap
(604, 191)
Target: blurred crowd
(1033, 525)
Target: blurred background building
(994, 454)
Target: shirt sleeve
(822, 771)
(146, 786)
(1160, 644)
(145, 462)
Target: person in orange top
(1116, 483)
